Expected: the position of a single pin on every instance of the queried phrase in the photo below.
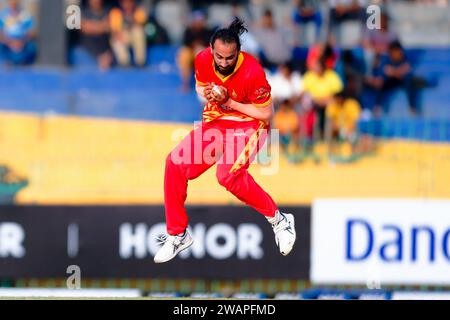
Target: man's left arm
(254, 111)
(259, 94)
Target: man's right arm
(200, 90)
(202, 86)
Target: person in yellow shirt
(287, 122)
(127, 31)
(321, 84)
(343, 114)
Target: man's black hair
(230, 34)
(395, 45)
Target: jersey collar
(239, 62)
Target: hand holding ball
(220, 94)
(217, 90)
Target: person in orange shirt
(287, 122)
(127, 31)
(235, 122)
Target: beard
(225, 72)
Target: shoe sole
(183, 247)
(291, 220)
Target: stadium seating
(153, 93)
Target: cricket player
(238, 100)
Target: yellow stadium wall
(70, 160)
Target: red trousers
(232, 145)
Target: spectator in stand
(196, 38)
(321, 83)
(351, 71)
(326, 51)
(307, 120)
(308, 11)
(373, 85)
(275, 47)
(376, 41)
(345, 10)
(287, 122)
(17, 34)
(343, 114)
(286, 83)
(95, 33)
(397, 73)
(127, 32)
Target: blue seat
(79, 57)
(162, 54)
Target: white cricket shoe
(284, 229)
(172, 245)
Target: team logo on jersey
(262, 93)
(234, 94)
